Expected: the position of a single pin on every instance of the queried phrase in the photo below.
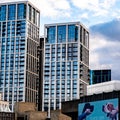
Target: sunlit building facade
(19, 38)
(66, 63)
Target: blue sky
(104, 51)
(89, 12)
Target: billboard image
(99, 110)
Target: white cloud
(5, 1)
(60, 4)
(100, 12)
(49, 8)
(84, 16)
(53, 8)
(105, 54)
(69, 9)
(117, 54)
(97, 7)
(85, 4)
(96, 42)
(107, 4)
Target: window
(20, 30)
(4, 29)
(13, 28)
(8, 29)
(38, 18)
(72, 33)
(51, 35)
(2, 12)
(61, 34)
(11, 12)
(87, 39)
(21, 11)
(34, 17)
(29, 12)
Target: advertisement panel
(99, 110)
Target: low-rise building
(97, 95)
(103, 87)
(5, 112)
(28, 111)
(4, 105)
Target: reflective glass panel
(2, 12)
(72, 33)
(61, 34)
(51, 35)
(21, 13)
(11, 12)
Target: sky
(89, 12)
(104, 50)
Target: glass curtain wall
(13, 42)
(61, 65)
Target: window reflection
(72, 33)
(21, 13)
(2, 12)
(11, 12)
(51, 35)
(61, 34)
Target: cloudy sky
(100, 16)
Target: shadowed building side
(40, 53)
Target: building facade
(99, 76)
(71, 108)
(66, 63)
(4, 105)
(40, 53)
(108, 86)
(19, 38)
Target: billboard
(99, 110)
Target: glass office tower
(19, 38)
(99, 76)
(66, 63)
